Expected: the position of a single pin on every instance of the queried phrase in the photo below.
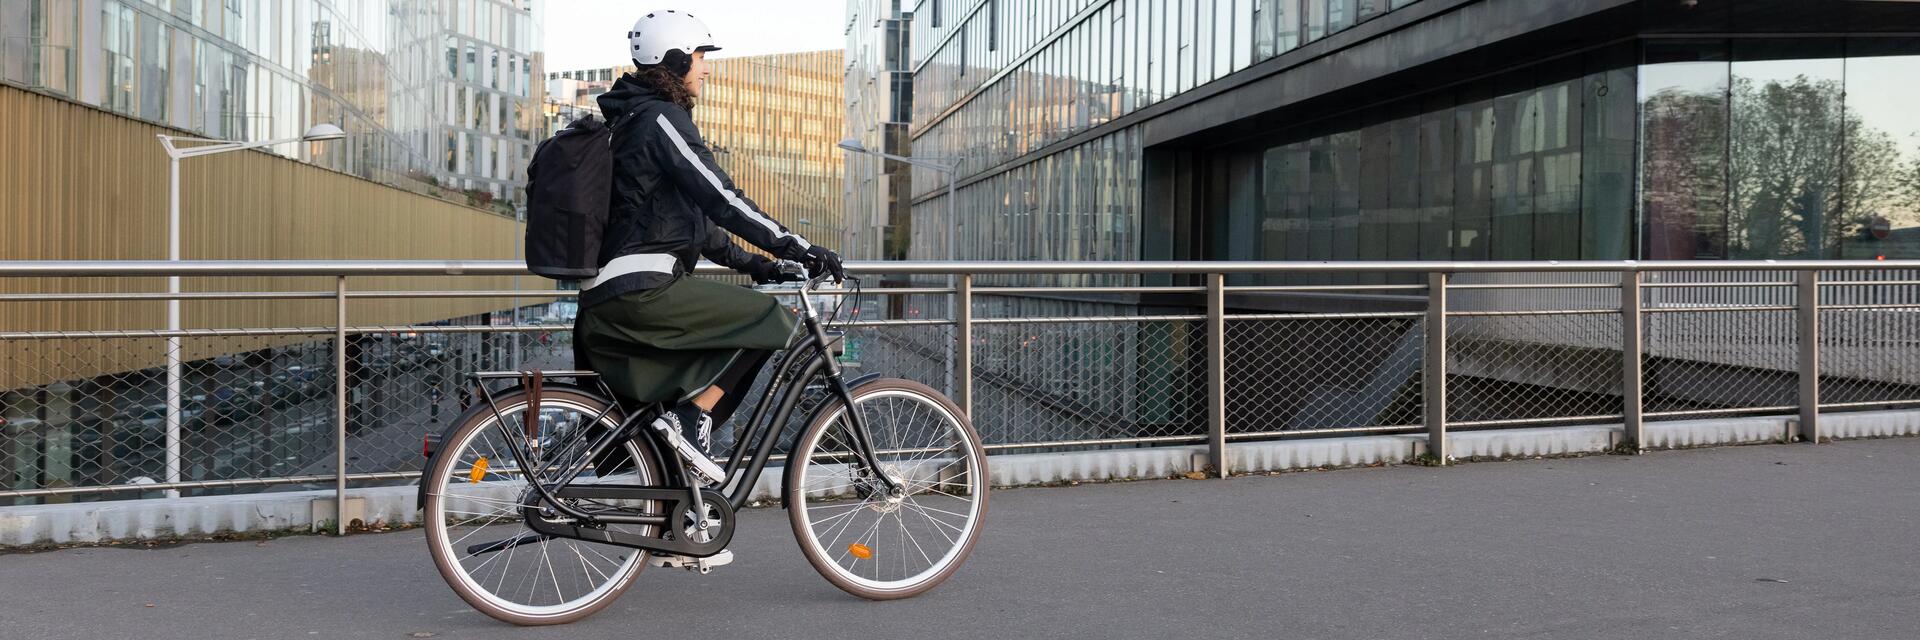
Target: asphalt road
(1782, 541)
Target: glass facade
(879, 102)
(997, 80)
(1650, 143)
(1533, 164)
(437, 96)
(772, 122)
(1781, 148)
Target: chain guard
(678, 510)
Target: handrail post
(1434, 377)
(1807, 312)
(340, 406)
(1631, 348)
(1216, 332)
(963, 349)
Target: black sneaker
(697, 427)
(685, 439)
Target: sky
(592, 34)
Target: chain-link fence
(86, 413)
(1317, 372)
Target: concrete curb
(296, 510)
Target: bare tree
(1805, 174)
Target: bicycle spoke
(584, 566)
(559, 597)
(863, 536)
(852, 505)
(481, 527)
(912, 538)
(848, 514)
(844, 527)
(927, 508)
(923, 513)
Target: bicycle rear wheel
(479, 538)
(860, 538)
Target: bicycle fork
(857, 424)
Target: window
(1788, 148)
(960, 59)
(116, 29)
(993, 25)
(1683, 102)
(1315, 16)
(1879, 73)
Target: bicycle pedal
(702, 565)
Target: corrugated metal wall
(77, 183)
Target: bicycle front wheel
(864, 540)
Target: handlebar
(792, 268)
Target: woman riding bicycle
(653, 333)
(542, 505)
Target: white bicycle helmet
(660, 33)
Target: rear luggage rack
(565, 373)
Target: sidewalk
(1775, 541)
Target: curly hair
(668, 83)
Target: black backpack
(568, 181)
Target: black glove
(823, 260)
(769, 272)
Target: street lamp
(951, 170)
(201, 147)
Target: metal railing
(1290, 350)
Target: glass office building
(879, 104)
(771, 121)
(438, 96)
(1419, 129)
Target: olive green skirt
(668, 343)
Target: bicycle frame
(807, 358)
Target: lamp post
(951, 170)
(175, 153)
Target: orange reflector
(860, 551)
(479, 470)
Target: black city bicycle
(542, 501)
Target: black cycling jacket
(668, 195)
